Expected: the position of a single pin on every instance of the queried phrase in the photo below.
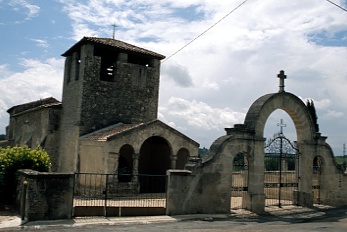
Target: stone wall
(206, 190)
(131, 96)
(37, 127)
(92, 103)
(48, 195)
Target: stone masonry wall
(131, 97)
(38, 128)
(49, 196)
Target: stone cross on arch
(281, 125)
(281, 76)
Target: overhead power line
(337, 5)
(232, 11)
(193, 40)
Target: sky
(221, 56)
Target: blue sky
(210, 84)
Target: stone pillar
(49, 196)
(255, 200)
(173, 161)
(135, 178)
(304, 195)
(112, 163)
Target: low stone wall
(47, 195)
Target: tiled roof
(42, 103)
(113, 131)
(115, 44)
(105, 133)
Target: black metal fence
(102, 193)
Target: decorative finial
(114, 30)
(281, 76)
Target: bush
(14, 158)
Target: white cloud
(4, 72)
(332, 115)
(40, 79)
(201, 115)
(32, 10)
(179, 74)
(211, 83)
(41, 43)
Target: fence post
(23, 200)
(106, 190)
(73, 194)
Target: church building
(107, 120)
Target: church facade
(107, 120)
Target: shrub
(14, 158)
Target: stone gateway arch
(205, 185)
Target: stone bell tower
(106, 81)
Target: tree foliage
(311, 108)
(14, 158)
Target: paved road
(318, 220)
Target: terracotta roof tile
(105, 133)
(115, 44)
(42, 103)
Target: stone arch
(211, 176)
(155, 154)
(182, 158)
(154, 160)
(255, 122)
(249, 138)
(261, 109)
(125, 163)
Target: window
(107, 69)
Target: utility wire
(193, 40)
(337, 5)
(232, 11)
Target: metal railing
(113, 190)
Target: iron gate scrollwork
(281, 170)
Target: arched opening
(280, 160)
(316, 178)
(125, 163)
(255, 121)
(239, 186)
(182, 158)
(273, 126)
(154, 160)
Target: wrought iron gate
(109, 195)
(281, 171)
(239, 181)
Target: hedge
(15, 158)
